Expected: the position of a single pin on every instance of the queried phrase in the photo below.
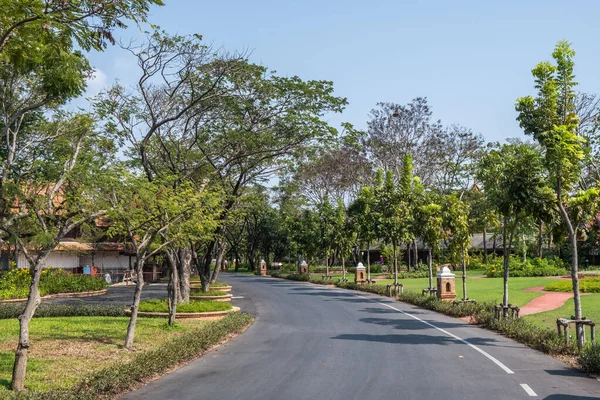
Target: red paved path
(548, 301)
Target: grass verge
(123, 375)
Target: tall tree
(514, 181)
(429, 223)
(455, 221)
(551, 119)
(395, 130)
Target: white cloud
(96, 83)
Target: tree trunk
(395, 262)
(429, 262)
(507, 246)
(574, 266)
(185, 271)
(368, 262)
(408, 254)
(203, 266)
(237, 261)
(33, 301)
(327, 262)
(219, 263)
(343, 267)
(484, 245)
(524, 248)
(494, 246)
(464, 271)
(416, 254)
(540, 249)
(139, 266)
(173, 286)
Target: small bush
(199, 292)
(529, 268)
(590, 358)
(586, 285)
(191, 307)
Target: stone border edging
(60, 295)
(185, 315)
(227, 297)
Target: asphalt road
(314, 342)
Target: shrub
(586, 285)
(191, 307)
(46, 310)
(529, 268)
(590, 358)
(199, 292)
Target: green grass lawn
(590, 304)
(485, 289)
(65, 349)
(478, 287)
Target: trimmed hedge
(191, 307)
(119, 378)
(45, 310)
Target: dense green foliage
(531, 267)
(191, 307)
(586, 285)
(14, 283)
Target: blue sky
(471, 59)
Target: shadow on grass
(6, 363)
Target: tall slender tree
(551, 119)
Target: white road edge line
(529, 390)
(487, 355)
(237, 297)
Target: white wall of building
(106, 260)
(57, 259)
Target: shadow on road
(410, 338)
(569, 397)
(409, 324)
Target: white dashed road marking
(529, 390)
(485, 354)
